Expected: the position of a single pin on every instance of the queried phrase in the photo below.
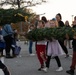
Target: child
(41, 48)
(53, 50)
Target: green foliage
(12, 15)
(50, 33)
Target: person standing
(31, 27)
(73, 64)
(67, 41)
(61, 24)
(41, 48)
(8, 38)
(53, 50)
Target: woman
(67, 41)
(61, 24)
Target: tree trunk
(18, 2)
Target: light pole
(42, 14)
(72, 18)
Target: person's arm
(10, 29)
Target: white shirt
(41, 43)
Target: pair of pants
(8, 41)
(57, 60)
(30, 46)
(41, 49)
(73, 61)
(63, 46)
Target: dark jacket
(61, 24)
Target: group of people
(8, 38)
(47, 49)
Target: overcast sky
(67, 8)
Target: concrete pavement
(25, 64)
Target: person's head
(67, 23)
(53, 23)
(31, 27)
(44, 19)
(37, 17)
(58, 17)
(41, 24)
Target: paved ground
(28, 65)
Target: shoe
(70, 47)
(71, 56)
(7, 56)
(67, 56)
(44, 69)
(32, 54)
(40, 69)
(14, 56)
(59, 69)
(71, 72)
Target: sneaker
(8, 56)
(32, 54)
(59, 69)
(67, 56)
(71, 72)
(44, 69)
(71, 56)
(40, 69)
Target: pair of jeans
(30, 46)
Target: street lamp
(42, 14)
(72, 18)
